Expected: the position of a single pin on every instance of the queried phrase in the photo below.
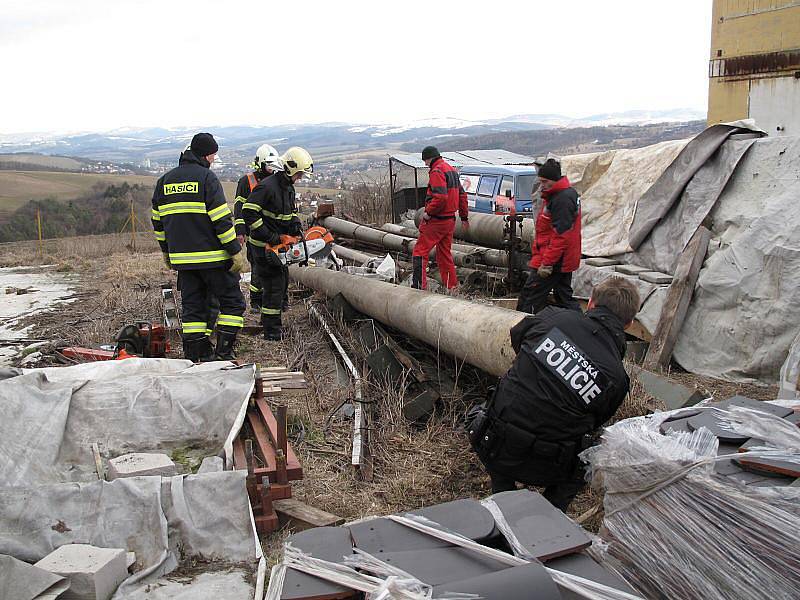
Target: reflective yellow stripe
(155, 215)
(187, 258)
(257, 224)
(241, 199)
(278, 217)
(251, 206)
(239, 222)
(209, 331)
(182, 207)
(194, 327)
(254, 288)
(215, 214)
(227, 236)
(161, 236)
(230, 320)
(256, 243)
(270, 311)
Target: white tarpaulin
(50, 494)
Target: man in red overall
(444, 198)
(556, 248)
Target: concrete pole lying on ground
(473, 332)
(487, 256)
(486, 229)
(390, 241)
(470, 277)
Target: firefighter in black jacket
(566, 382)
(266, 162)
(269, 213)
(194, 227)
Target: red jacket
(558, 229)
(445, 195)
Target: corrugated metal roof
(468, 157)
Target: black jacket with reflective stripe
(243, 189)
(191, 219)
(270, 212)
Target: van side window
(469, 182)
(507, 185)
(487, 185)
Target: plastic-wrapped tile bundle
(678, 527)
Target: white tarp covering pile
(745, 312)
(50, 494)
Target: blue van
(488, 186)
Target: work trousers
(197, 287)
(559, 494)
(534, 294)
(256, 288)
(274, 282)
(436, 233)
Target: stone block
(211, 464)
(94, 573)
(140, 463)
(630, 269)
(655, 277)
(600, 261)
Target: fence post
(40, 243)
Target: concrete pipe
(475, 333)
(486, 229)
(483, 255)
(390, 241)
(351, 254)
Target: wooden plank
(265, 442)
(239, 460)
(98, 461)
(294, 470)
(678, 299)
(299, 515)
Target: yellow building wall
(744, 27)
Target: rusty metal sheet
(754, 64)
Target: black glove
(295, 228)
(271, 260)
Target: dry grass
(413, 466)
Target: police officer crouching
(194, 227)
(566, 382)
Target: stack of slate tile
(757, 471)
(689, 513)
(545, 532)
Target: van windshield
(525, 185)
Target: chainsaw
(315, 244)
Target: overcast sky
(98, 65)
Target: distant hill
(577, 140)
(28, 161)
(131, 145)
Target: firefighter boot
(225, 342)
(273, 333)
(198, 349)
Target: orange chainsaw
(315, 244)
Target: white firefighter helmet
(267, 158)
(297, 160)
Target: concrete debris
(600, 261)
(94, 573)
(211, 464)
(138, 464)
(630, 269)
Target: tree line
(104, 209)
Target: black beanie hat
(430, 152)
(204, 144)
(551, 170)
